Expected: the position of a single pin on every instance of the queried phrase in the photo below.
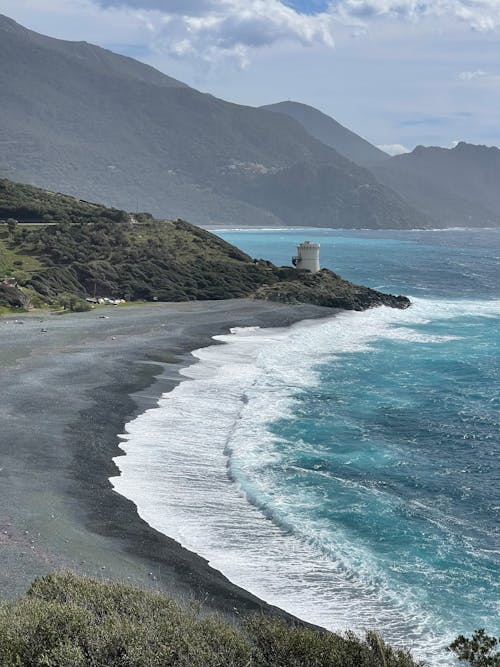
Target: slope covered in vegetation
(86, 251)
(26, 203)
(75, 622)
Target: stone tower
(307, 256)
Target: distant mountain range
(82, 120)
(457, 187)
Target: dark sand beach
(69, 383)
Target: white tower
(307, 256)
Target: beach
(69, 384)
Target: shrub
(479, 651)
(80, 306)
(68, 621)
(278, 643)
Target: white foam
(189, 459)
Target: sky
(399, 72)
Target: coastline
(67, 394)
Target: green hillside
(85, 251)
(26, 203)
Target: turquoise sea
(346, 469)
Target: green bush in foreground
(68, 621)
(479, 651)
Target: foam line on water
(191, 467)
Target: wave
(201, 468)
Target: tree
(479, 651)
(11, 224)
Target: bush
(80, 306)
(74, 304)
(479, 651)
(68, 621)
(278, 643)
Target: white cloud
(215, 30)
(478, 14)
(394, 149)
(488, 80)
(470, 76)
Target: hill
(85, 250)
(330, 132)
(87, 122)
(457, 187)
(27, 204)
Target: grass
(14, 259)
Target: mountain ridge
(330, 132)
(113, 130)
(457, 187)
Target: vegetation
(479, 651)
(164, 261)
(69, 621)
(25, 203)
(84, 251)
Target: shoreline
(64, 412)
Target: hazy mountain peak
(7, 23)
(44, 48)
(456, 186)
(330, 132)
(465, 147)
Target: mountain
(457, 187)
(332, 196)
(82, 120)
(331, 133)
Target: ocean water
(346, 469)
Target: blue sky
(398, 72)
(308, 6)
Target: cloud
(217, 30)
(487, 80)
(470, 76)
(213, 30)
(394, 149)
(478, 14)
(181, 7)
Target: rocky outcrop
(328, 289)
(13, 297)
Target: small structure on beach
(307, 257)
